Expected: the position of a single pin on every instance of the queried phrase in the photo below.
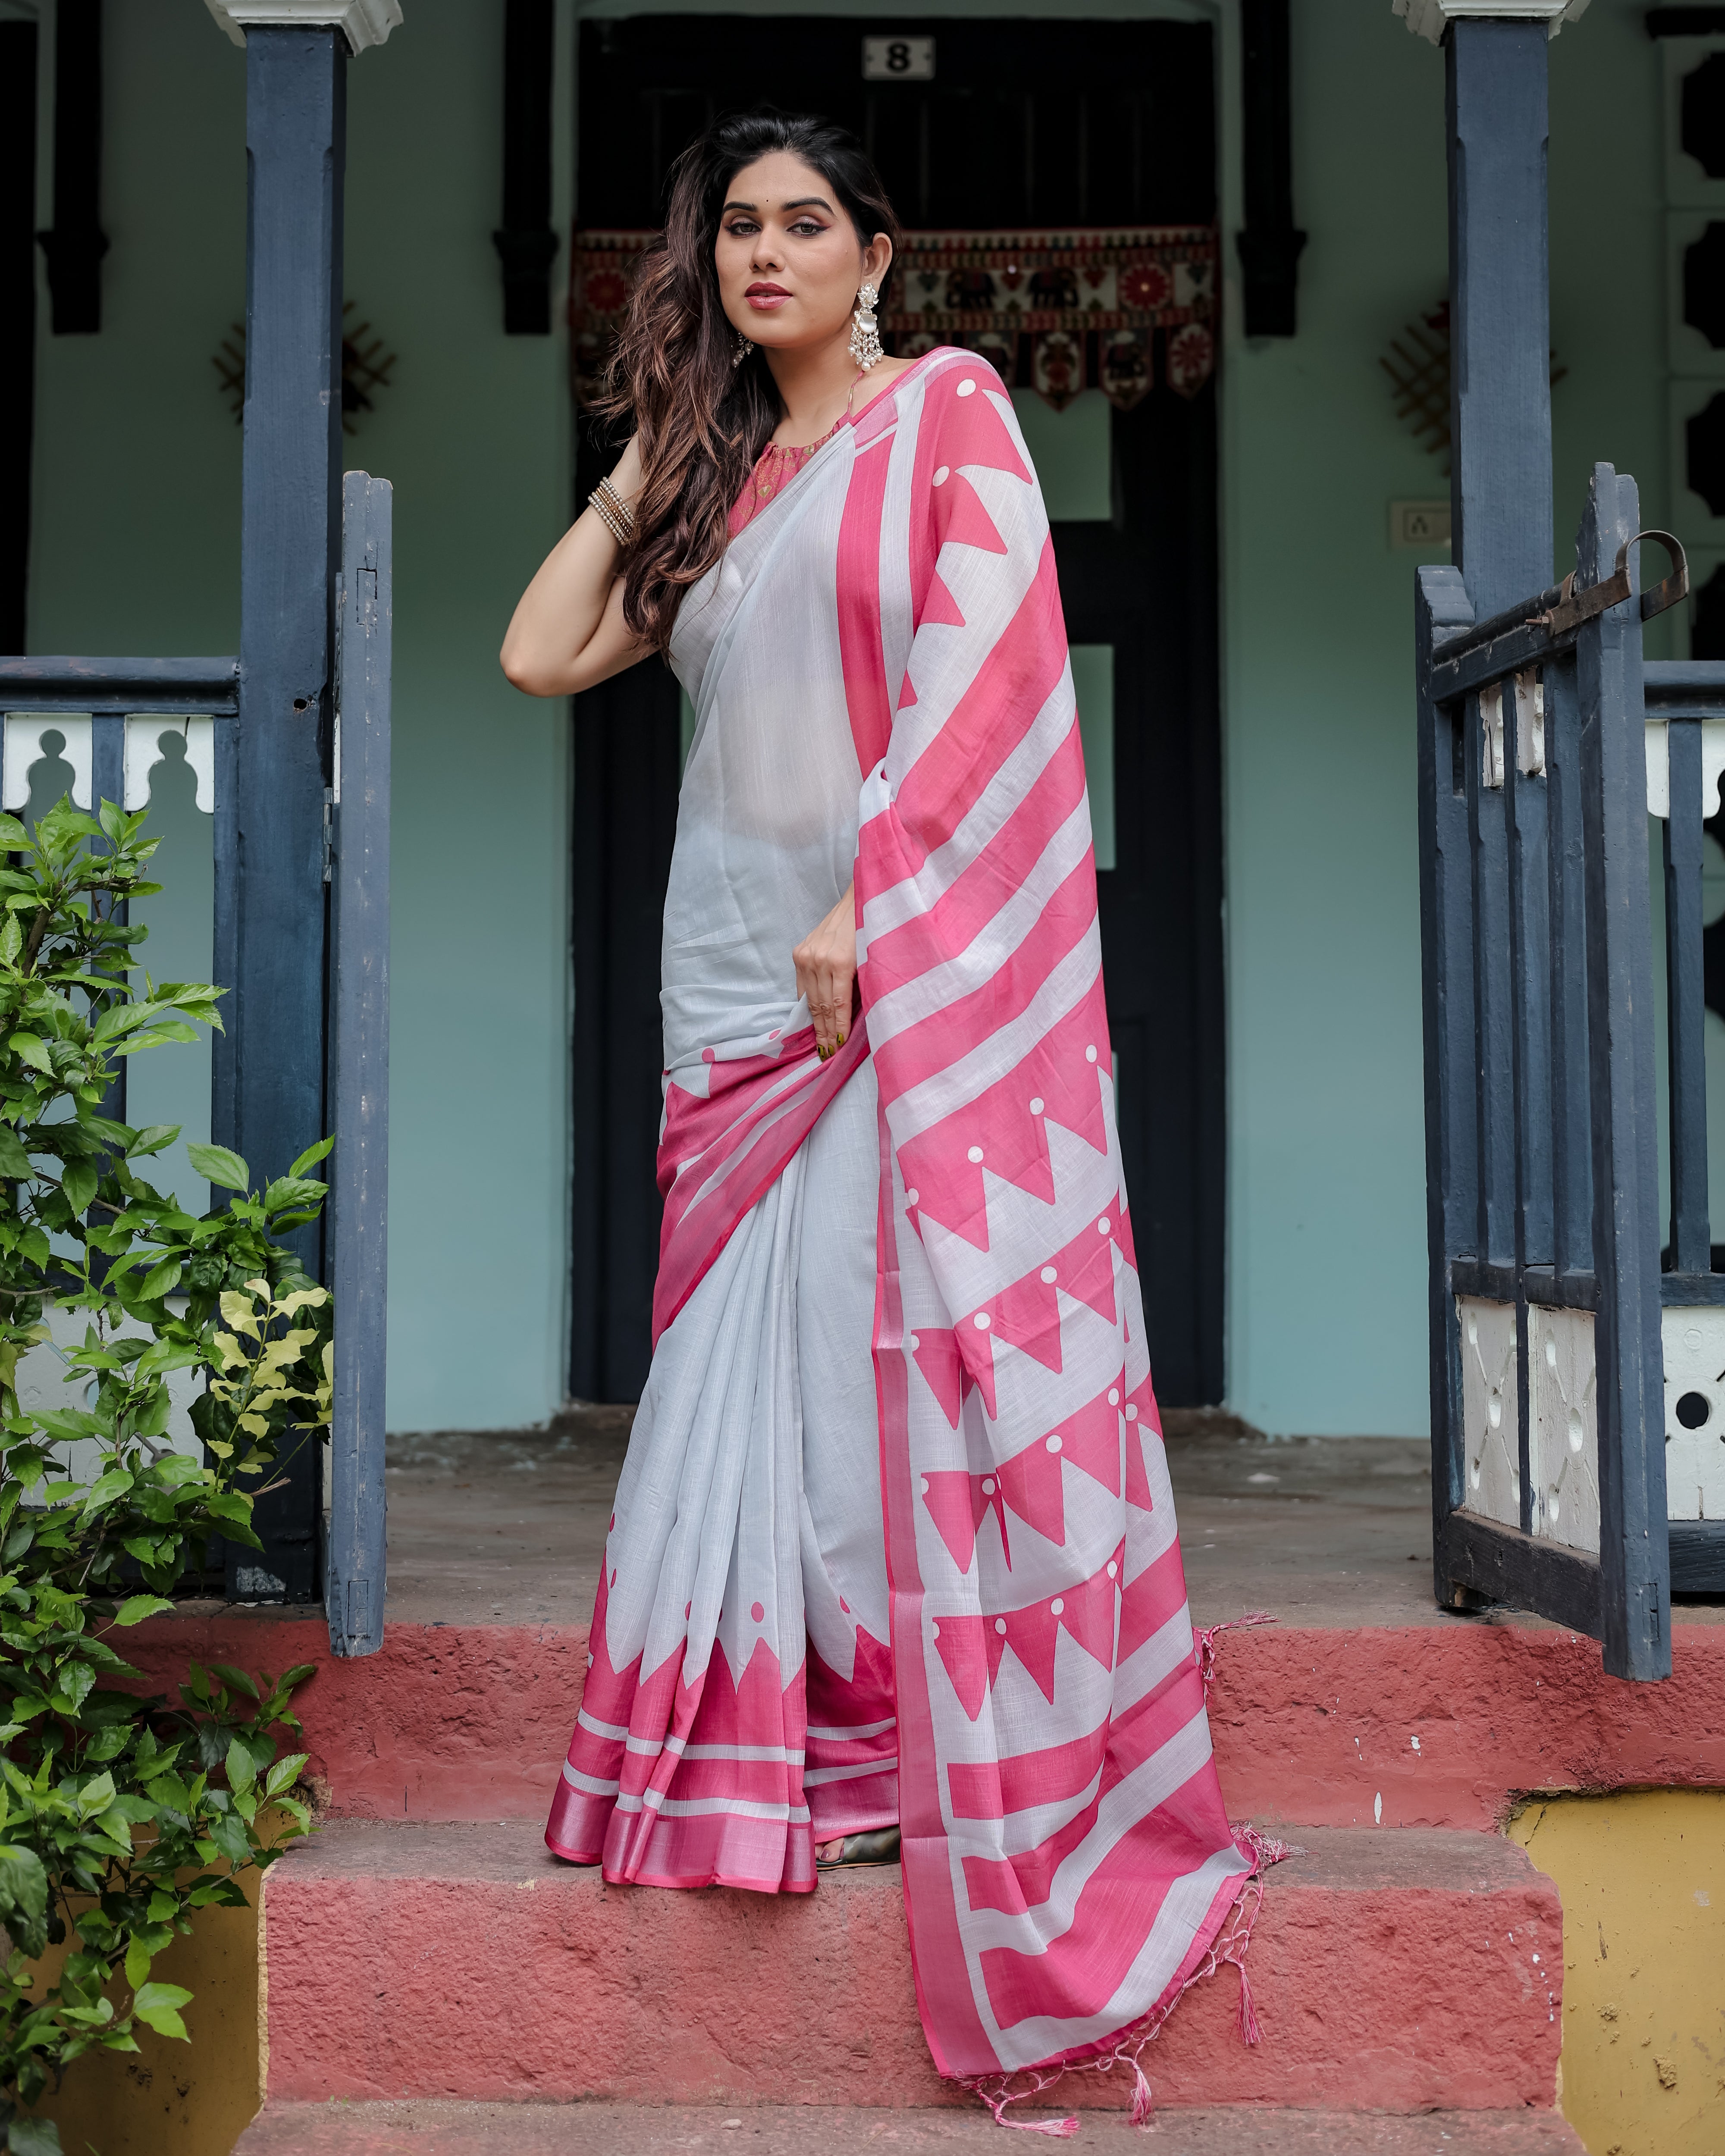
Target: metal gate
(1549, 1382)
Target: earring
(865, 331)
(744, 348)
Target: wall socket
(1421, 524)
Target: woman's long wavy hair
(702, 420)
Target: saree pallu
(882, 691)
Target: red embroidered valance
(1055, 311)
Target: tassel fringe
(996, 2092)
(1144, 2103)
(1229, 1947)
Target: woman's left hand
(826, 974)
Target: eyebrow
(803, 202)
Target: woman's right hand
(568, 633)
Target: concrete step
(1436, 1725)
(1393, 1972)
(628, 2129)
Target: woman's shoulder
(944, 371)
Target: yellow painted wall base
(1642, 1875)
(169, 2098)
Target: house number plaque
(898, 59)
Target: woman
(894, 1548)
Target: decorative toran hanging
(1055, 311)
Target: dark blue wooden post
(1494, 1009)
(1452, 1147)
(1572, 1129)
(1685, 1005)
(1500, 340)
(270, 916)
(1634, 1559)
(359, 1073)
(1482, 906)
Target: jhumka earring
(865, 331)
(744, 348)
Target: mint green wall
(1327, 1314)
(135, 549)
(474, 433)
(135, 533)
(1326, 1289)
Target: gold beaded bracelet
(612, 511)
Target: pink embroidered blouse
(776, 467)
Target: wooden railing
(110, 712)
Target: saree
(945, 1590)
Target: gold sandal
(858, 1851)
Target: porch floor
(509, 1527)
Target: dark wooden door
(1034, 124)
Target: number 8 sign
(898, 59)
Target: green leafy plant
(120, 1814)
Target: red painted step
(1390, 1971)
(1312, 1724)
(617, 2129)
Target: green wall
(1327, 1287)
(135, 532)
(135, 549)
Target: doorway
(1024, 124)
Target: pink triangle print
(959, 516)
(1032, 1633)
(936, 1355)
(1138, 1480)
(1086, 1610)
(1142, 1414)
(1142, 1397)
(972, 1337)
(969, 427)
(1123, 1234)
(1059, 1080)
(1090, 1438)
(1027, 1316)
(958, 1641)
(957, 1503)
(1032, 1484)
(939, 606)
(1085, 1268)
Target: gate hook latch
(1573, 608)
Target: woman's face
(788, 259)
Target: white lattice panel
(1694, 1413)
(1490, 1412)
(23, 748)
(1563, 1453)
(1659, 766)
(143, 737)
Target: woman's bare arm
(568, 632)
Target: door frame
(585, 1297)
